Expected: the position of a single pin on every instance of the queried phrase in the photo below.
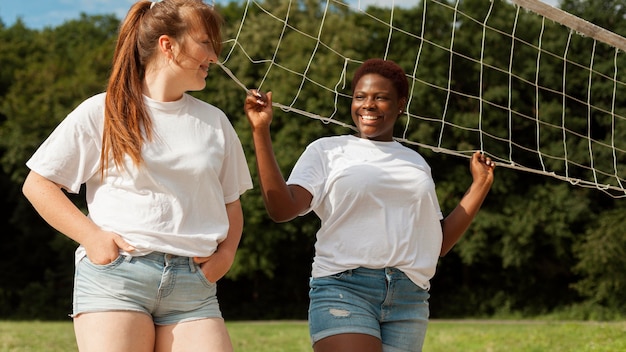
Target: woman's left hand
(481, 168)
(214, 267)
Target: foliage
(602, 260)
(537, 246)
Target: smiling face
(375, 107)
(195, 60)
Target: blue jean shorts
(383, 303)
(169, 288)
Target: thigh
(196, 335)
(348, 343)
(114, 331)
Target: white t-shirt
(173, 203)
(377, 205)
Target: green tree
(602, 260)
(57, 68)
(536, 236)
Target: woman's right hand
(104, 247)
(60, 212)
(258, 108)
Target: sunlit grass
(35, 336)
(278, 336)
(524, 336)
(292, 336)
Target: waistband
(393, 273)
(169, 259)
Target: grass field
(289, 336)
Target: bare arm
(458, 221)
(218, 264)
(283, 202)
(58, 210)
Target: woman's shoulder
(205, 110)
(87, 118)
(202, 105)
(94, 102)
(331, 145)
(91, 109)
(331, 140)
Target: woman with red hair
(163, 174)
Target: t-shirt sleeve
(309, 172)
(71, 153)
(235, 174)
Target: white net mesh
(534, 94)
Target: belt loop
(192, 265)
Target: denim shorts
(383, 303)
(169, 288)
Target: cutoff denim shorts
(383, 303)
(169, 288)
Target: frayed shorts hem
(161, 323)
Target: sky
(38, 14)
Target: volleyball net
(535, 88)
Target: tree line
(539, 246)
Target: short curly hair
(387, 69)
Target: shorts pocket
(112, 265)
(202, 277)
